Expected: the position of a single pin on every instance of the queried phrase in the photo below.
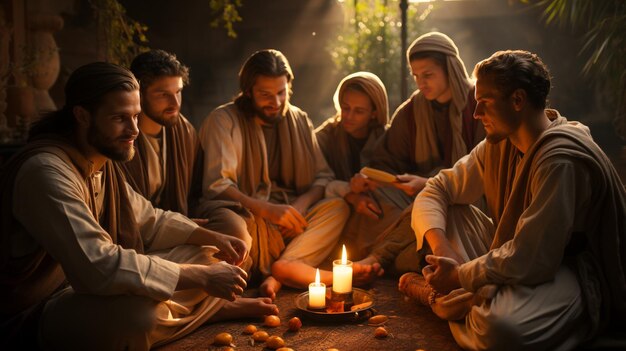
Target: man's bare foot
(366, 270)
(414, 286)
(245, 307)
(270, 287)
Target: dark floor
(411, 327)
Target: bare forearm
(312, 196)
(256, 206)
(440, 245)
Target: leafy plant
(226, 12)
(370, 40)
(603, 23)
(124, 37)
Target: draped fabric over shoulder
(22, 277)
(184, 152)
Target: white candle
(342, 274)
(317, 293)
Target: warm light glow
(317, 293)
(342, 274)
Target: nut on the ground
(223, 339)
(295, 324)
(285, 349)
(275, 342)
(381, 333)
(272, 321)
(250, 329)
(378, 320)
(260, 336)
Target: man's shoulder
(50, 160)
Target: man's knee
(228, 222)
(491, 332)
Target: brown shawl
(297, 149)
(184, 160)
(28, 280)
(604, 256)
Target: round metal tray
(359, 296)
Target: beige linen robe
(49, 203)
(553, 248)
(236, 155)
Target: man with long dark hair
(86, 262)
(261, 151)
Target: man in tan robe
(86, 262)
(543, 268)
(167, 166)
(430, 131)
(261, 151)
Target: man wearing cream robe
(261, 151)
(543, 269)
(86, 262)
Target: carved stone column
(44, 53)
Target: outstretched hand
(364, 205)
(285, 216)
(232, 250)
(360, 184)
(442, 273)
(225, 281)
(410, 184)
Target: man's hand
(232, 250)
(364, 205)
(361, 184)
(221, 279)
(442, 273)
(285, 216)
(410, 184)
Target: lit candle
(317, 293)
(342, 274)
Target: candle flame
(317, 276)
(344, 256)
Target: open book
(378, 175)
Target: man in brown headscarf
(544, 267)
(261, 151)
(86, 262)
(167, 167)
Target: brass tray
(359, 296)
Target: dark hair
(85, 87)
(270, 63)
(439, 57)
(517, 69)
(149, 66)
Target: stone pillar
(45, 57)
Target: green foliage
(603, 23)
(226, 12)
(370, 40)
(125, 38)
